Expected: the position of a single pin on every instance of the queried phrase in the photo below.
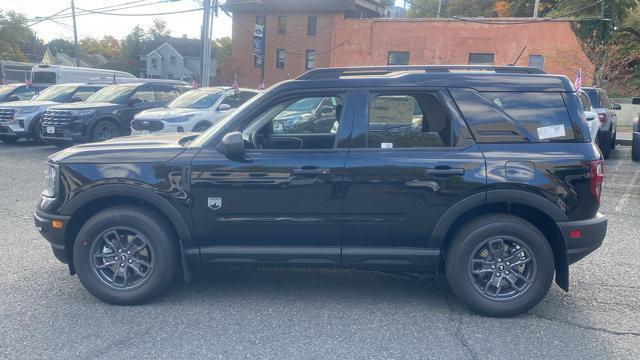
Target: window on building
(282, 24)
(260, 20)
(310, 61)
(154, 63)
(480, 59)
(406, 121)
(257, 60)
(172, 61)
(280, 57)
(312, 22)
(536, 61)
(398, 58)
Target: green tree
(62, 45)
(419, 9)
(13, 33)
(158, 30)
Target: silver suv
(602, 105)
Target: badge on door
(214, 203)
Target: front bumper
(63, 135)
(55, 237)
(593, 232)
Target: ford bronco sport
(485, 174)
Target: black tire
(9, 139)
(461, 261)
(605, 146)
(104, 130)
(37, 132)
(160, 247)
(201, 127)
(613, 140)
(635, 147)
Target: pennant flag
(578, 83)
(194, 82)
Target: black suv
(484, 173)
(107, 113)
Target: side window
(84, 92)
(25, 93)
(310, 122)
(543, 114)
(166, 93)
(407, 121)
(245, 96)
(145, 94)
(233, 100)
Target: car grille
(56, 118)
(6, 115)
(152, 126)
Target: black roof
(482, 78)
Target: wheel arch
(539, 211)
(89, 203)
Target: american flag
(3, 80)
(27, 81)
(235, 86)
(261, 85)
(578, 83)
(194, 83)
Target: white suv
(194, 111)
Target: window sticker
(547, 132)
(385, 145)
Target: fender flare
(139, 193)
(492, 197)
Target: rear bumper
(593, 232)
(55, 237)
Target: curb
(623, 142)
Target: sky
(96, 25)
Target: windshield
(593, 96)
(116, 94)
(305, 105)
(6, 90)
(196, 99)
(203, 138)
(44, 77)
(56, 93)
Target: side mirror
(223, 107)
(233, 145)
(75, 99)
(14, 98)
(616, 107)
(134, 101)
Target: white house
(172, 58)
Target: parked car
(590, 114)
(635, 144)
(17, 92)
(608, 119)
(193, 111)
(471, 186)
(59, 74)
(21, 119)
(105, 114)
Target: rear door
(411, 160)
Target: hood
(79, 106)
(28, 103)
(165, 113)
(129, 149)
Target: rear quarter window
(515, 116)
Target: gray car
(602, 105)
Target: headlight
(52, 179)
(27, 110)
(82, 112)
(178, 119)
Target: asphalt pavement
(310, 314)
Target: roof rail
(336, 73)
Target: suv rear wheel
(500, 265)
(125, 255)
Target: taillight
(597, 178)
(603, 119)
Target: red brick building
(302, 34)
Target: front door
(411, 160)
(282, 203)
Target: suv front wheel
(125, 255)
(500, 265)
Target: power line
(146, 14)
(503, 22)
(48, 17)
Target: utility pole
(206, 42)
(264, 47)
(535, 9)
(439, 8)
(75, 33)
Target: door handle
(444, 171)
(310, 170)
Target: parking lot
(303, 313)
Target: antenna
(518, 58)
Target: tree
(158, 30)
(62, 45)
(419, 8)
(467, 8)
(13, 33)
